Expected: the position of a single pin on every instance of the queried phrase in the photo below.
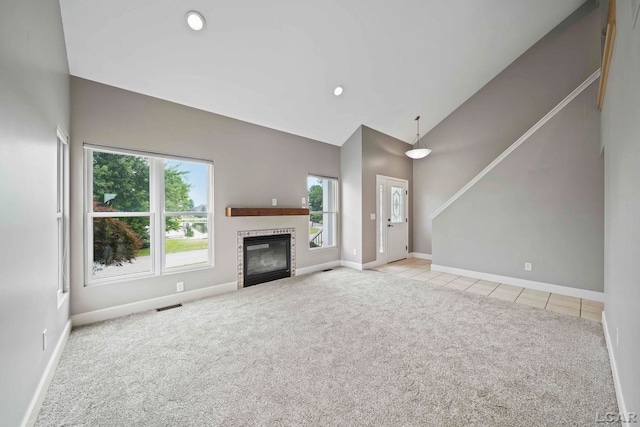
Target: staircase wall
(491, 120)
(543, 204)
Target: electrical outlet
(274, 202)
(527, 266)
(355, 252)
(373, 216)
(304, 201)
(44, 340)
(179, 286)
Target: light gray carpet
(342, 347)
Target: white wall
(621, 139)
(351, 197)
(34, 99)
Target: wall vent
(169, 307)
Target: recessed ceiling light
(338, 91)
(195, 20)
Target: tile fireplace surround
(271, 232)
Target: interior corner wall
(252, 165)
(621, 140)
(34, 88)
(543, 204)
(504, 109)
(381, 155)
(351, 198)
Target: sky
(197, 177)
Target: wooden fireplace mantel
(265, 211)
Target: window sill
(323, 248)
(61, 297)
(145, 276)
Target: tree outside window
(147, 214)
(322, 196)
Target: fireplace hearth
(265, 255)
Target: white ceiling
(276, 63)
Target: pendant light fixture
(416, 152)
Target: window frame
(156, 214)
(336, 227)
(62, 213)
(164, 214)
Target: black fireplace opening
(266, 258)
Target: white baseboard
(318, 267)
(378, 263)
(357, 266)
(514, 281)
(350, 264)
(150, 304)
(36, 402)
(614, 368)
(136, 307)
(372, 264)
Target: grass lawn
(313, 230)
(180, 245)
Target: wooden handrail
(608, 51)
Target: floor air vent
(169, 307)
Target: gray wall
(621, 138)
(544, 204)
(364, 155)
(351, 197)
(496, 116)
(252, 165)
(381, 155)
(34, 98)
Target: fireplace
(265, 255)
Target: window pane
(120, 246)
(322, 207)
(186, 241)
(329, 230)
(381, 220)
(120, 183)
(322, 194)
(397, 205)
(61, 168)
(323, 234)
(61, 272)
(185, 186)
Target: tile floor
(420, 269)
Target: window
(147, 214)
(62, 212)
(323, 202)
(381, 223)
(397, 204)
(186, 219)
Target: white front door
(393, 225)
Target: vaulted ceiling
(276, 63)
